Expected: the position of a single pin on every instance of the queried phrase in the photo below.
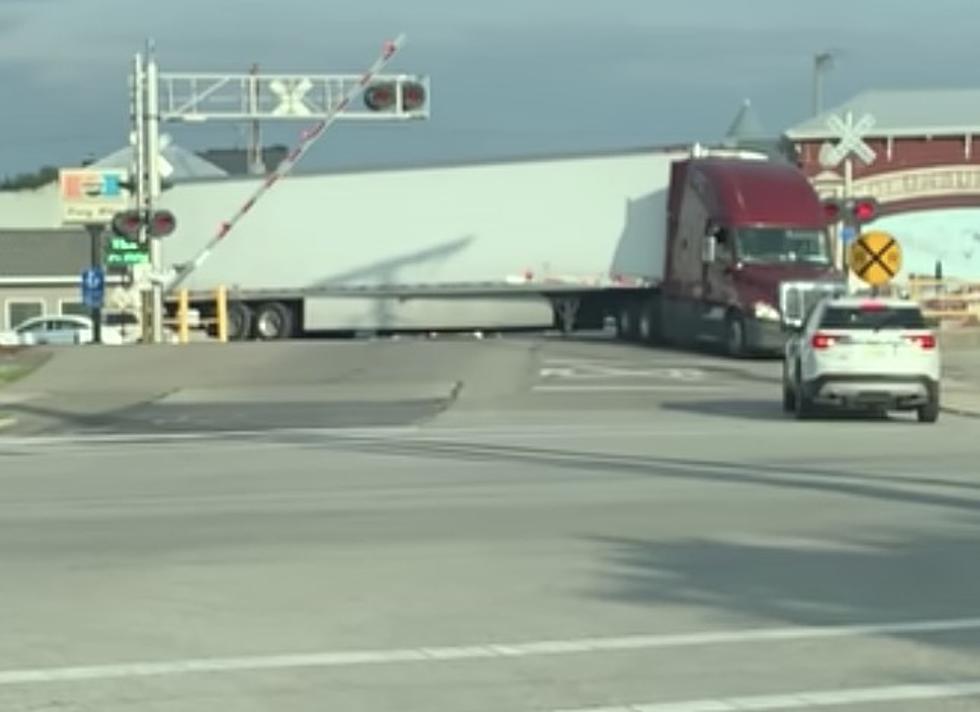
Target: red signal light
(127, 224)
(413, 96)
(831, 211)
(162, 223)
(865, 210)
(379, 97)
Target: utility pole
(821, 63)
(152, 165)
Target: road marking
(803, 700)
(583, 388)
(477, 652)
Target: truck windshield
(781, 245)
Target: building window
(74, 309)
(20, 310)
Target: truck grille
(796, 299)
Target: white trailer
(495, 245)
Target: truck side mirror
(709, 248)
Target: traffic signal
(127, 224)
(384, 96)
(162, 223)
(852, 211)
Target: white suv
(863, 352)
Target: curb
(954, 410)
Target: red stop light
(127, 224)
(831, 211)
(413, 96)
(865, 209)
(162, 223)
(379, 97)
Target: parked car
(65, 329)
(865, 353)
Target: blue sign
(848, 233)
(93, 287)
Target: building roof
(186, 164)
(746, 125)
(43, 253)
(904, 112)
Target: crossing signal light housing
(127, 224)
(852, 211)
(832, 211)
(162, 223)
(384, 96)
(864, 210)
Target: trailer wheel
(239, 321)
(273, 321)
(626, 323)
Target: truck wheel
(625, 326)
(273, 321)
(239, 321)
(649, 324)
(735, 335)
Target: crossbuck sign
(291, 97)
(850, 139)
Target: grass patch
(17, 364)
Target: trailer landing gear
(566, 309)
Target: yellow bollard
(222, 312)
(183, 308)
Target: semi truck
(672, 244)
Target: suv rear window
(875, 318)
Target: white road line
(477, 652)
(627, 388)
(804, 700)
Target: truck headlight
(766, 311)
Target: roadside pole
(152, 165)
(95, 233)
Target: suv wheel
(789, 397)
(802, 404)
(929, 413)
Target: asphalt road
(525, 524)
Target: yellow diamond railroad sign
(875, 257)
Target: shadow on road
(894, 488)
(761, 409)
(927, 577)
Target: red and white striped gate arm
(307, 139)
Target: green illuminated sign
(123, 252)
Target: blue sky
(509, 76)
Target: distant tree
(30, 181)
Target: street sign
(123, 253)
(875, 258)
(848, 233)
(93, 287)
(91, 196)
(850, 139)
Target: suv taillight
(926, 341)
(822, 341)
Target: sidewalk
(961, 373)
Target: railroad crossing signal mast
(253, 97)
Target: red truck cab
(748, 252)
